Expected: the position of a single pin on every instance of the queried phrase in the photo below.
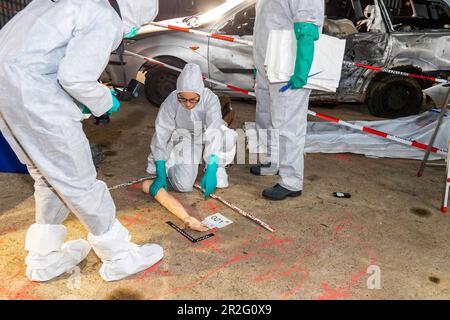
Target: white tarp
(438, 93)
(326, 69)
(326, 137)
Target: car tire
(395, 96)
(160, 82)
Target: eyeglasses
(191, 101)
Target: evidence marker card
(217, 220)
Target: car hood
(196, 21)
(175, 22)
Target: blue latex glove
(161, 178)
(132, 33)
(209, 180)
(116, 103)
(306, 34)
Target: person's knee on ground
(182, 179)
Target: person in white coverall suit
(189, 118)
(284, 115)
(52, 54)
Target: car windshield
(212, 15)
(411, 15)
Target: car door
(232, 63)
(343, 20)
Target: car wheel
(395, 96)
(160, 82)
(228, 112)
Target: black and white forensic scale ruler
(188, 236)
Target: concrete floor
(323, 247)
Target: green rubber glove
(86, 110)
(161, 178)
(306, 34)
(209, 180)
(132, 33)
(116, 103)
(114, 108)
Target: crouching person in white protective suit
(190, 118)
(51, 54)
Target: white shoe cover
(48, 256)
(122, 258)
(222, 178)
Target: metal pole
(436, 131)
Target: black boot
(264, 170)
(279, 193)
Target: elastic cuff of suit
(306, 29)
(213, 160)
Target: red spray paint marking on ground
(299, 286)
(237, 258)
(134, 220)
(268, 275)
(313, 247)
(294, 269)
(211, 206)
(276, 242)
(234, 259)
(210, 244)
(344, 291)
(23, 293)
(331, 294)
(152, 269)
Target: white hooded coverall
(180, 134)
(52, 53)
(285, 114)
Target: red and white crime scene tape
(395, 72)
(447, 183)
(201, 33)
(312, 113)
(249, 43)
(179, 70)
(378, 133)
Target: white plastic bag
(326, 69)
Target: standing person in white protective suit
(52, 53)
(190, 117)
(284, 115)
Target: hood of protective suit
(136, 13)
(191, 80)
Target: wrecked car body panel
(400, 47)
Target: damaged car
(405, 35)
